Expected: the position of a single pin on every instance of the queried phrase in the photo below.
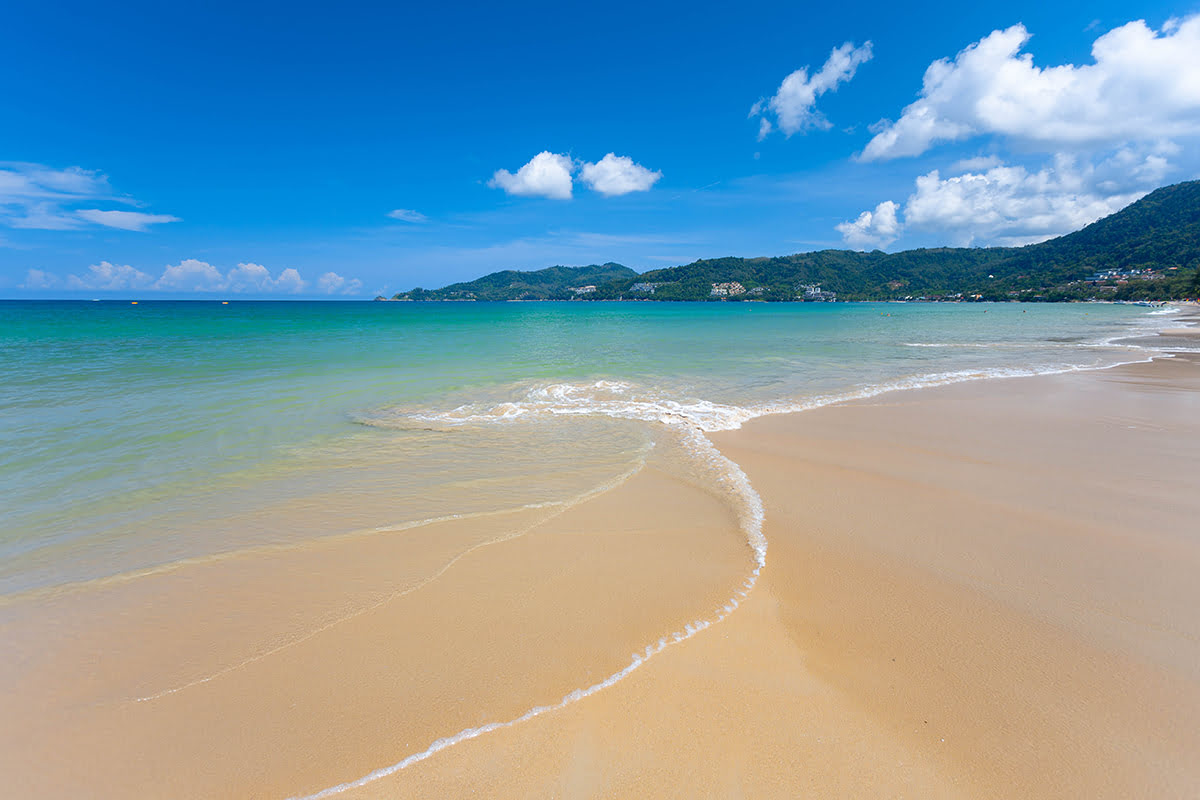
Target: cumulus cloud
(407, 215)
(1013, 205)
(976, 163)
(877, 228)
(40, 197)
(552, 175)
(794, 103)
(1143, 85)
(545, 175)
(615, 175)
(110, 277)
(248, 278)
(125, 220)
(191, 275)
(39, 279)
(332, 283)
(289, 281)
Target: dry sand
(983, 590)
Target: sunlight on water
(132, 436)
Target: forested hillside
(1147, 251)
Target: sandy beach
(979, 590)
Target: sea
(139, 436)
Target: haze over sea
(136, 436)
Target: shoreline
(800, 664)
(1026, 695)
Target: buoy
(133, 302)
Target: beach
(984, 589)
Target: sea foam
(689, 420)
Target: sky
(343, 151)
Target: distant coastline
(1149, 251)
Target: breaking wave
(687, 420)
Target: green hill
(553, 283)
(1147, 251)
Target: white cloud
(407, 215)
(191, 275)
(332, 283)
(616, 175)
(40, 197)
(22, 181)
(125, 220)
(551, 175)
(39, 279)
(546, 175)
(248, 278)
(1143, 85)
(794, 103)
(110, 277)
(1013, 205)
(40, 215)
(289, 281)
(877, 228)
(976, 164)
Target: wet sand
(981, 590)
(285, 672)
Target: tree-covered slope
(553, 283)
(1148, 250)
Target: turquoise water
(137, 435)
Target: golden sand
(983, 590)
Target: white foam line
(637, 660)
(559, 509)
(231, 555)
(750, 512)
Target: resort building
(813, 293)
(729, 289)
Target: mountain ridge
(1149, 250)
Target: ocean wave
(602, 398)
(689, 419)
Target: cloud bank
(192, 276)
(793, 106)
(1012, 205)
(1143, 85)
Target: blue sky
(257, 149)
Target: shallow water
(134, 436)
